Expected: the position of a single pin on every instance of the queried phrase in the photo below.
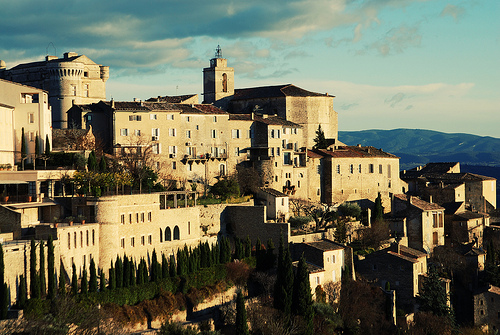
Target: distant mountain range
(419, 147)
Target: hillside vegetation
(419, 146)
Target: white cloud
(456, 12)
(397, 40)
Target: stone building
(487, 309)
(73, 79)
(445, 183)
(289, 102)
(354, 173)
(23, 107)
(464, 226)
(421, 222)
(326, 261)
(398, 265)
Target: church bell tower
(218, 81)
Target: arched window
(224, 82)
(168, 234)
(161, 235)
(177, 233)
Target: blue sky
(390, 63)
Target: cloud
(455, 12)
(397, 40)
(397, 98)
(348, 106)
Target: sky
(418, 64)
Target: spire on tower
(218, 52)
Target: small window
(150, 239)
(137, 132)
(142, 217)
(124, 132)
(359, 168)
(170, 116)
(370, 168)
(188, 118)
(215, 118)
(149, 216)
(143, 240)
(31, 118)
(86, 74)
(123, 218)
(122, 243)
(132, 241)
(153, 116)
(93, 237)
(214, 133)
(380, 168)
(351, 168)
(172, 132)
(87, 238)
(338, 168)
(188, 133)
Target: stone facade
(22, 107)
(423, 222)
(487, 309)
(445, 183)
(73, 79)
(400, 266)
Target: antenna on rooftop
(218, 52)
(47, 49)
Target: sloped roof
(325, 245)
(84, 59)
(452, 207)
(287, 90)
(273, 192)
(419, 203)
(468, 215)
(354, 152)
(172, 99)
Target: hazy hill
(418, 146)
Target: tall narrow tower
(218, 81)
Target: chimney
(395, 247)
(252, 116)
(430, 199)
(135, 99)
(112, 103)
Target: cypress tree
(172, 267)
(248, 247)
(37, 148)
(34, 279)
(155, 273)
(164, 266)
(102, 280)
(51, 272)
(62, 280)
(241, 316)
(119, 272)
(93, 277)
(126, 272)
(47, 145)
(23, 144)
(140, 274)
(131, 272)
(85, 282)
(74, 281)
(302, 298)
(112, 276)
(4, 293)
(180, 263)
(378, 210)
(145, 273)
(23, 292)
(92, 162)
(284, 282)
(239, 253)
(102, 164)
(43, 288)
(270, 257)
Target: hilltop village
(255, 176)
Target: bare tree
(322, 214)
(140, 157)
